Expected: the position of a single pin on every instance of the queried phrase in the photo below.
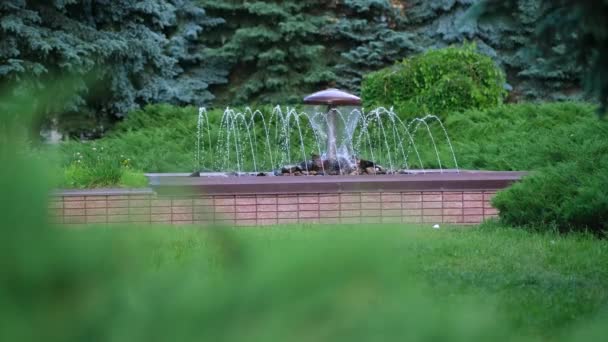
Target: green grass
(337, 283)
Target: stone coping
(431, 181)
(250, 185)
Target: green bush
(570, 196)
(437, 82)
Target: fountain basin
(429, 197)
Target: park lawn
(349, 283)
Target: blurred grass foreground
(287, 283)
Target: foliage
(96, 167)
(121, 53)
(571, 35)
(437, 82)
(273, 48)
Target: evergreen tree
(274, 48)
(131, 50)
(572, 37)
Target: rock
(195, 174)
(291, 169)
(261, 174)
(370, 170)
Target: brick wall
(118, 207)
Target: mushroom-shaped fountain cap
(332, 97)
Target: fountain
(411, 181)
(317, 142)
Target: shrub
(437, 82)
(570, 192)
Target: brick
(377, 205)
(207, 216)
(160, 203)
(371, 219)
(412, 205)
(287, 199)
(139, 218)
(472, 196)
(491, 211)
(308, 199)
(118, 197)
(350, 220)
(473, 219)
(488, 196)
(266, 222)
(246, 223)
(96, 211)
(139, 203)
(118, 204)
(159, 210)
(453, 205)
(97, 219)
(73, 212)
(329, 220)
(202, 201)
(118, 218)
(266, 200)
(391, 197)
(432, 212)
(453, 219)
(140, 211)
(330, 213)
(411, 197)
(118, 211)
(473, 211)
(287, 221)
(267, 215)
(329, 199)
(411, 219)
(452, 212)
(182, 217)
(288, 214)
(473, 204)
(182, 210)
(350, 213)
(225, 216)
(223, 200)
(350, 198)
(451, 196)
(74, 205)
(246, 208)
(308, 207)
(350, 206)
(56, 205)
(432, 219)
(242, 200)
(391, 213)
(391, 219)
(487, 205)
(308, 214)
(226, 209)
(329, 206)
(180, 202)
(412, 212)
(287, 207)
(96, 198)
(73, 198)
(391, 205)
(308, 220)
(371, 212)
(267, 207)
(432, 197)
(246, 216)
(432, 205)
(374, 198)
(140, 197)
(160, 218)
(74, 219)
